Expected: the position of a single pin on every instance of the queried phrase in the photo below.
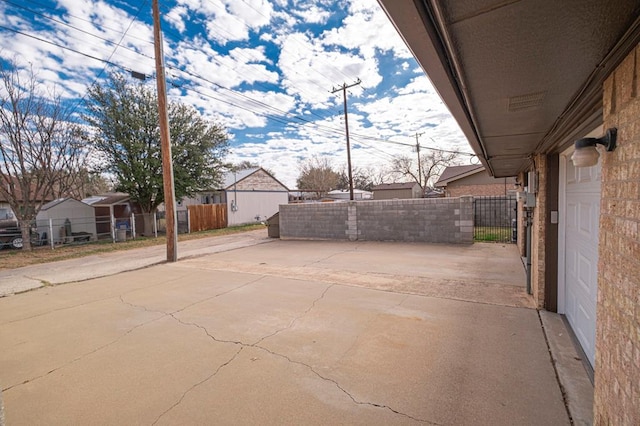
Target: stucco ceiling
(519, 76)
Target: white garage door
(581, 218)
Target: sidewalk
(18, 280)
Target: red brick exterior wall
(617, 370)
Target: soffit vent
(528, 101)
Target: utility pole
(419, 165)
(344, 88)
(165, 141)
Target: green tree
(124, 116)
(41, 150)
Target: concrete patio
(286, 332)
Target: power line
(297, 120)
(43, 6)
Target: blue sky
(263, 69)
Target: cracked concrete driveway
(290, 332)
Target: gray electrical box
(532, 182)
(529, 199)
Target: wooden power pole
(165, 141)
(419, 164)
(344, 88)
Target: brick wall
(617, 371)
(478, 190)
(522, 230)
(443, 220)
(539, 233)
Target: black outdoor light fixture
(586, 154)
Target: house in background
(525, 81)
(4, 202)
(64, 218)
(251, 195)
(457, 181)
(345, 195)
(390, 191)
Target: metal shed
(66, 220)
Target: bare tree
(89, 183)
(40, 148)
(431, 166)
(364, 178)
(317, 176)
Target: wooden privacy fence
(203, 217)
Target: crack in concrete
(120, 297)
(330, 256)
(309, 367)
(81, 357)
(206, 379)
(342, 389)
(90, 301)
(294, 320)
(44, 283)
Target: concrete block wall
(617, 369)
(440, 220)
(323, 221)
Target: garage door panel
(572, 216)
(584, 275)
(582, 213)
(586, 333)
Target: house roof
(520, 78)
(59, 201)
(453, 173)
(17, 191)
(231, 178)
(397, 185)
(107, 199)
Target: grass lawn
(492, 234)
(11, 259)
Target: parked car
(10, 236)
(10, 233)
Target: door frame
(562, 218)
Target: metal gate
(495, 219)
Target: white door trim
(562, 211)
(562, 218)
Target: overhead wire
(108, 62)
(298, 120)
(284, 11)
(44, 6)
(257, 82)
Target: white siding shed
(81, 216)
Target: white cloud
(289, 73)
(312, 14)
(366, 29)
